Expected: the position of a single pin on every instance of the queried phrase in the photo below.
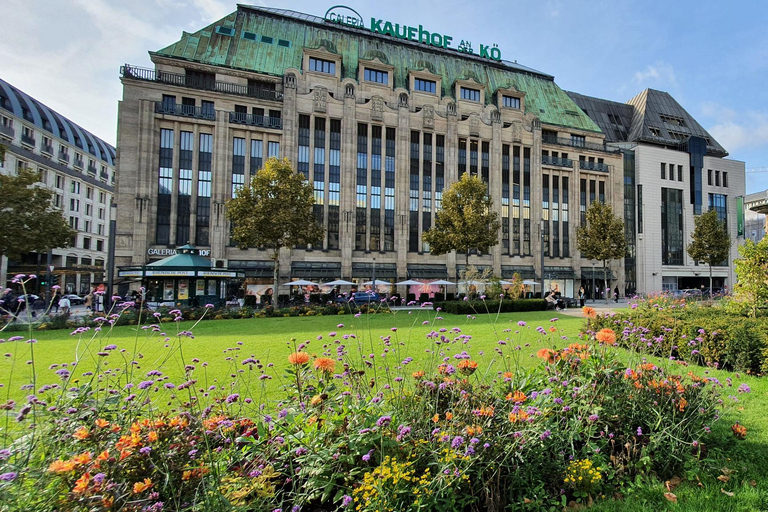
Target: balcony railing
(275, 123)
(92, 170)
(552, 160)
(64, 156)
(593, 166)
(104, 175)
(185, 111)
(78, 163)
(561, 141)
(26, 139)
(7, 130)
(47, 149)
(150, 75)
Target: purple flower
(593, 417)
(145, 450)
(383, 421)
(744, 389)
(300, 451)
(8, 477)
(367, 456)
(544, 435)
(639, 432)
(457, 441)
(346, 501)
(232, 398)
(145, 384)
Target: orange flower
(107, 502)
(298, 358)
(487, 411)
(681, 404)
(152, 436)
(519, 416)
(589, 312)
(61, 466)
(547, 354)
(418, 375)
(517, 397)
(101, 423)
(435, 418)
(552, 329)
(83, 458)
(606, 336)
(81, 485)
(81, 433)
(467, 367)
(125, 453)
(139, 487)
(103, 455)
(325, 364)
(449, 416)
(740, 431)
(507, 376)
(647, 367)
(115, 428)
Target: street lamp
(594, 290)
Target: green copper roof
(241, 47)
(189, 260)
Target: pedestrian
(616, 295)
(65, 305)
(582, 294)
(88, 301)
(55, 302)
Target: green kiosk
(183, 279)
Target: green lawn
(224, 344)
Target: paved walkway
(599, 305)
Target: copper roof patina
(271, 40)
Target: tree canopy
(29, 221)
(274, 211)
(466, 219)
(751, 289)
(710, 242)
(602, 237)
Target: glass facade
(204, 157)
(672, 245)
(165, 188)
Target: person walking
(55, 302)
(65, 305)
(616, 295)
(89, 301)
(582, 294)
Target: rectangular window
(100, 229)
(679, 173)
(426, 187)
(422, 85)
(725, 179)
(545, 214)
(89, 192)
(389, 190)
(322, 66)
(555, 217)
(516, 200)
(361, 184)
(413, 207)
(526, 201)
(101, 213)
(204, 158)
(318, 175)
(207, 110)
(374, 75)
(238, 164)
(257, 155)
(74, 187)
(87, 226)
(672, 242)
(663, 171)
(505, 198)
(462, 157)
(564, 218)
(183, 204)
(374, 243)
(639, 209)
(473, 157)
(165, 188)
(302, 164)
(100, 245)
(511, 102)
(86, 243)
(470, 94)
(717, 178)
(88, 210)
(709, 177)
(485, 160)
(74, 205)
(578, 141)
(273, 149)
(334, 184)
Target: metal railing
(104, 175)
(7, 130)
(184, 110)
(78, 163)
(561, 141)
(47, 149)
(63, 156)
(593, 166)
(553, 160)
(202, 83)
(275, 123)
(26, 139)
(92, 170)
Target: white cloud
(659, 74)
(211, 10)
(737, 130)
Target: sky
(711, 56)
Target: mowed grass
(219, 347)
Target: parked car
(74, 300)
(366, 297)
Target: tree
(465, 221)
(274, 211)
(710, 242)
(751, 288)
(602, 237)
(28, 219)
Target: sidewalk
(599, 305)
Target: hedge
(475, 307)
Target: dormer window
(322, 66)
(375, 75)
(470, 94)
(511, 102)
(420, 84)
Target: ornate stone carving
(377, 108)
(451, 109)
(495, 117)
(428, 116)
(349, 91)
(320, 98)
(124, 242)
(517, 130)
(474, 125)
(290, 81)
(403, 102)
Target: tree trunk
(3, 272)
(276, 260)
(607, 283)
(710, 281)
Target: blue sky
(712, 56)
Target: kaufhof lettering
(171, 252)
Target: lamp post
(594, 290)
(374, 275)
(111, 255)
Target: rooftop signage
(348, 17)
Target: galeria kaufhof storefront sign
(348, 17)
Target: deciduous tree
(465, 221)
(28, 220)
(751, 289)
(602, 237)
(710, 242)
(274, 211)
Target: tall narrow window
(334, 180)
(302, 164)
(413, 228)
(526, 201)
(486, 162)
(462, 157)
(516, 200)
(565, 219)
(375, 239)
(183, 212)
(583, 203)
(204, 155)
(165, 188)
(672, 245)
(389, 192)
(601, 191)
(426, 188)
(555, 216)
(238, 164)
(362, 187)
(505, 198)
(545, 214)
(473, 157)
(257, 155)
(663, 171)
(639, 209)
(273, 149)
(318, 176)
